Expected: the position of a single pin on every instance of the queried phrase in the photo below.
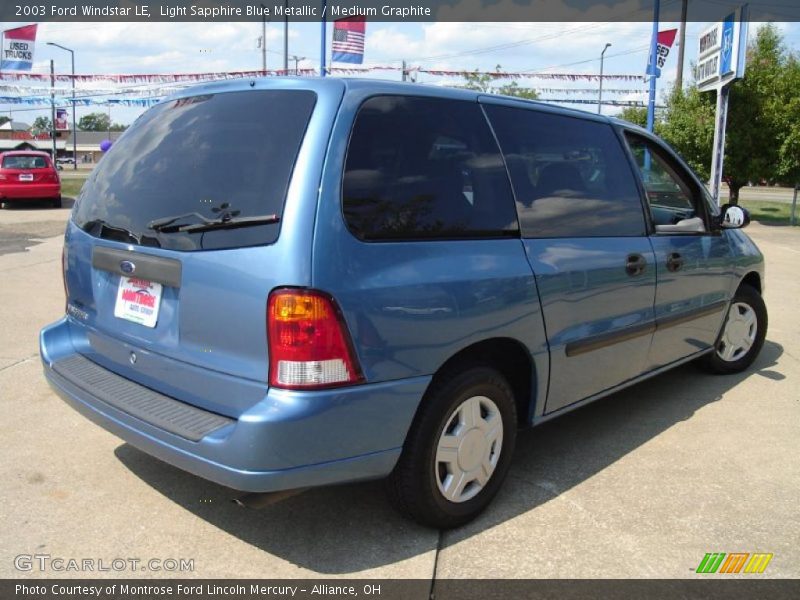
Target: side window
(425, 168)
(669, 195)
(570, 176)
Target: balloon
(105, 145)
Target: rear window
(216, 155)
(24, 162)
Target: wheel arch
(512, 359)
(753, 279)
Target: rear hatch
(174, 246)
(22, 169)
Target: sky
(212, 47)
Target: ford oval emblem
(127, 266)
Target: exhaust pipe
(257, 500)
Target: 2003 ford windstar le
(288, 283)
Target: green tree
(41, 125)
(4, 120)
(95, 121)
(688, 126)
(512, 89)
(634, 114)
(763, 132)
(752, 137)
(482, 82)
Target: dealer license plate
(26, 177)
(138, 300)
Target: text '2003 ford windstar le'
(287, 283)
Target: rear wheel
(742, 335)
(458, 450)
(57, 203)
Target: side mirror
(733, 217)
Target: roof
(332, 87)
(15, 125)
(93, 137)
(25, 153)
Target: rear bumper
(30, 192)
(288, 440)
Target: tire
(57, 203)
(458, 419)
(745, 323)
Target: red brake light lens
(309, 345)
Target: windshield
(192, 155)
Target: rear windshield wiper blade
(89, 226)
(170, 225)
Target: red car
(28, 175)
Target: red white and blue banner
(664, 45)
(18, 47)
(348, 40)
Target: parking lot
(641, 484)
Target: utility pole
(53, 107)
(297, 60)
(286, 37)
(323, 39)
(681, 47)
(264, 38)
(405, 72)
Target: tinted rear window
(425, 168)
(194, 155)
(24, 162)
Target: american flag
(348, 40)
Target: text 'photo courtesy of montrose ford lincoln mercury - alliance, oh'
(278, 284)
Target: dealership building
(16, 135)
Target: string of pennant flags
(216, 76)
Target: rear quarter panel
(410, 306)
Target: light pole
(74, 124)
(600, 95)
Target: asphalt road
(641, 484)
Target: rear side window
(425, 168)
(571, 176)
(229, 153)
(24, 162)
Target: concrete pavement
(641, 484)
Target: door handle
(635, 264)
(674, 262)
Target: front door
(692, 263)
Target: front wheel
(458, 450)
(742, 334)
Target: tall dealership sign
(721, 59)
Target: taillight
(3, 177)
(309, 346)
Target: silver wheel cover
(739, 334)
(468, 449)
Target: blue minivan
(283, 283)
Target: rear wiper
(90, 225)
(171, 225)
